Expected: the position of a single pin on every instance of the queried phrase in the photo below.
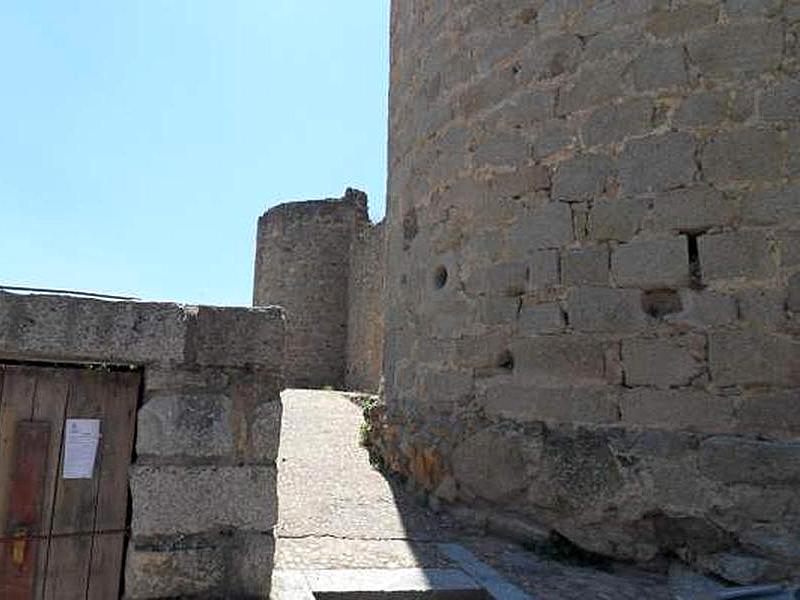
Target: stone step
(377, 584)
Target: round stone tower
(593, 271)
(303, 256)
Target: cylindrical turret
(303, 264)
(593, 277)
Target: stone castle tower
(589, 309)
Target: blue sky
(141, 139)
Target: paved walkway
(337, 513)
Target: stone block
(526, 404)
(771, 207)
(582, 177)
(741, 460)
(551, 136)
(540, 318)
(498, 310)
(600, 17)
(196, 499)
(615, 122)
(793, 296)
(264, 432)
(452, 150)
(195, 424)
(793, 166)
(750, 154)
(524, 181)
(681, 19)
(651, 264)
(548, 226)
(587, 266)
(479, 95)
(736, 254)
(544, 269)
(622, 40)
(444, 388)
(238, 336)
(770, 413)
(252, 558)
(781, 102)
(689, 410)
(752, 8)
(706, 109)
(502, 149)
(763, 307)
(552, 56)
(692, 209)
(468, 352)
(663, 362)
(659, 67)
(741, 105)
(750, 357)
(657, 163)
(618, 220)
(597, 82)
(527, 108)
(560, 361)
(789, 247)
(238, 565)
(189, 572)
(737, 50)
(703, 309)
(773, 540)
(739, 568)
(600, 309)
(186, 378)
(503, 279)
(79, 329)
(490, 464)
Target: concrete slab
(490, 579)
(363, 584)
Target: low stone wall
(204, 479)
(365, 309)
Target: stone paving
(337, 512)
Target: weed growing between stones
(365, 431)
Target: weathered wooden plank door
(63, 537)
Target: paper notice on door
(80, 448)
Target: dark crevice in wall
(660, 303)
(440, 277)
(695, 269)
(72, 365)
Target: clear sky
(141, 139)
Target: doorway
(66, 441)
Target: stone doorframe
(203, 477)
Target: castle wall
(593, 271)
(365, 309)
(302, 264)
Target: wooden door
(63, 538)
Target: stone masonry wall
(365, 309)
(593, 271)
(204, 481)
(302, 264)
